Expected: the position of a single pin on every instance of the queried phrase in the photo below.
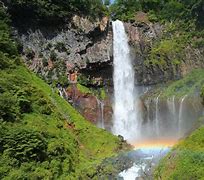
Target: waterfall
(148, 111)
(173, 117)
(157, 116)
(180, 121)
(171, 105)
(101, 123)
(124, 117)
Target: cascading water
(157, 116)
(161, 120)
(101, 123)
(172, 107)
(181, 109)
(125, 120)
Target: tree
(107, 2)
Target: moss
(176, 62)
(103, 94)
(186, 86)
(164, 51)
(72, 151)
(202, 94)
(84, 89)
(186, 160)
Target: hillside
(57, 86)
(185, 161)
(41, 135)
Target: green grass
(103, 94)
(71, 152)
(188, 85)
(84, 89)
(185, 161)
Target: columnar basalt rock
(142, 38)
(80, 44)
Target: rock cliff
(53, 52)
(158, 56)
(87, 46)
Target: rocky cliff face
(148, 42)
(88, 46)
(53, 52)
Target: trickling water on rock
(181, 111)
(125, 121)
(157, 123)
(101, 123)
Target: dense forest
(54, 12)
(159, 10)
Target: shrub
(9, 109)
(24, 145)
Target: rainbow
(154, 144)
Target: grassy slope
(185, 161)
(189, 85)
(87, 144)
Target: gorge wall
(86, 46)
(53, 52)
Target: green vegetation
(52, 11)
(188, 85)
(167, 49)
(185, 161)
(202, 94)
(58, 139)
(99, 93)
(41, 135)
(159, 10)
(84, 89)
(103, 94)
(182, 25)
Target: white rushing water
(125, 112)
(181, 119)
(101, 123)
(163, 120)
(157, 116)
(147, 159)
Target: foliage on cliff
(186, 160)
(52, 11)
(202, 94)
(41, 135)
(177, 34)
(160, 10)
(189, 85)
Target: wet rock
(88, 105)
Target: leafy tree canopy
(160, 9)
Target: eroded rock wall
(147, 41)
(53, 52)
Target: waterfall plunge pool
(145, 156)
